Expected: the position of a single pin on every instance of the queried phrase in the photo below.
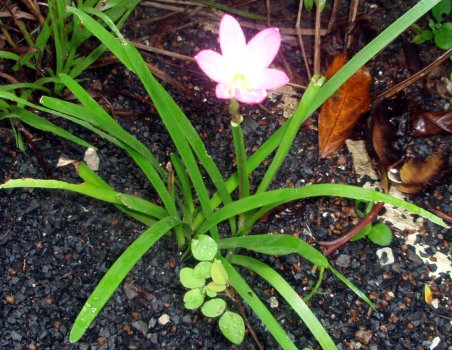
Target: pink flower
(242, 70)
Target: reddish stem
(332, 246)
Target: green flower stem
(240, 155)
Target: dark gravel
(55, 246)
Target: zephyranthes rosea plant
(197, 226)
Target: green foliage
(379, 234)
(232, 326)
(439, 30)
(214, 278)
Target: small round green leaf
(443, 36)
(190, 279)
(215, 287)
(193, 299)
(210, 293)
(441, 9)
(213, 308)
(204, 248)
(232, 326)
(381, 234)
(363, 233)
(203, 269)
(218, 273)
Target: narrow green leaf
(275, 244)
(289, 194)
(47, 126)
(289, 294)
(354, 288)
(116, 274)
(247, 294)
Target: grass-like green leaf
(290, 295)
(354, 288)
(276, 197)
(275, 244)
(258, 307)
(47, 126)
(93, 191)
(116, 274)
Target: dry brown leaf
(341, 112)
(425, 123)
(416, 173)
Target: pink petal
(252, 96)
(232, 39)
(270, 78)
(223, 92)
(263, 47)
(211, 63)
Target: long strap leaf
(258, 306)
(289, 294)
(329, 190)
(280, 244)
(116, 274)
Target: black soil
(55, 246)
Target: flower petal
(262, 48)
(223, 92)
(212, 64)
(252, 96)
(232, 39)
(270, 78)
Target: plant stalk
(240, 155)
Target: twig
(300, 39)
(248, 325)
(333, 15)
(411, 80)
(317, 49)
(351, 20)
(332, 246)
(269, 12)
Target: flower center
(238, 82)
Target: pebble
(363, 336)
(343, 260)
(385, 256)
(164, 319)
(274, 302)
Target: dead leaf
(425, 123)
(416, 173)
(341, 112)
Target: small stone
(164, 319)
(141, 327)
(274, 302)
(16, 336)
(363, 336)
(102, 341)
(435, 343)
(10, 299)
(343, 260)
(385, 256)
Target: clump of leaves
(439, 30)
(204, 249)
(379, 234)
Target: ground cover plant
(197, 228)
